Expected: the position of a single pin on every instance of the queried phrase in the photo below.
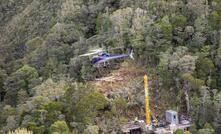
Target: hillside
(47, 87)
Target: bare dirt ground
(123, 77)
(127, 82)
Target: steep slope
(36, 18)
(45, 85)
(127, 82)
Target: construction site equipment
(147, 100)
(155, 125)
(172, 117)
(154, 120)
(151, 119)
(133, 127)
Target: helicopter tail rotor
(131, 54)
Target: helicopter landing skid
(101, 65)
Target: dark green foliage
(178, 20)
(36, 129)
(207, 126)
(59, 127)
(33, 44)
(73, 95)
(215, 20)
(53, 111)
(206, 131)
(23, 79)
(88, 106)
(3, 76)
(178, 131)
(194, 82)
(119, 107)
(165, 26)
(177, 41)
(26, 24)
(205, 69)
(103, 23)
(6, 112)
(10, 8)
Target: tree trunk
(187, 101)
(186, 89)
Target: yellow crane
(147, 105)
(147, 109)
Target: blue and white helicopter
(101, 57)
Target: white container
(172, 117)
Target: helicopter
(101, 57)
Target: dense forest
(45, 87)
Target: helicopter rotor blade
(89, 54)
(97, 50)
